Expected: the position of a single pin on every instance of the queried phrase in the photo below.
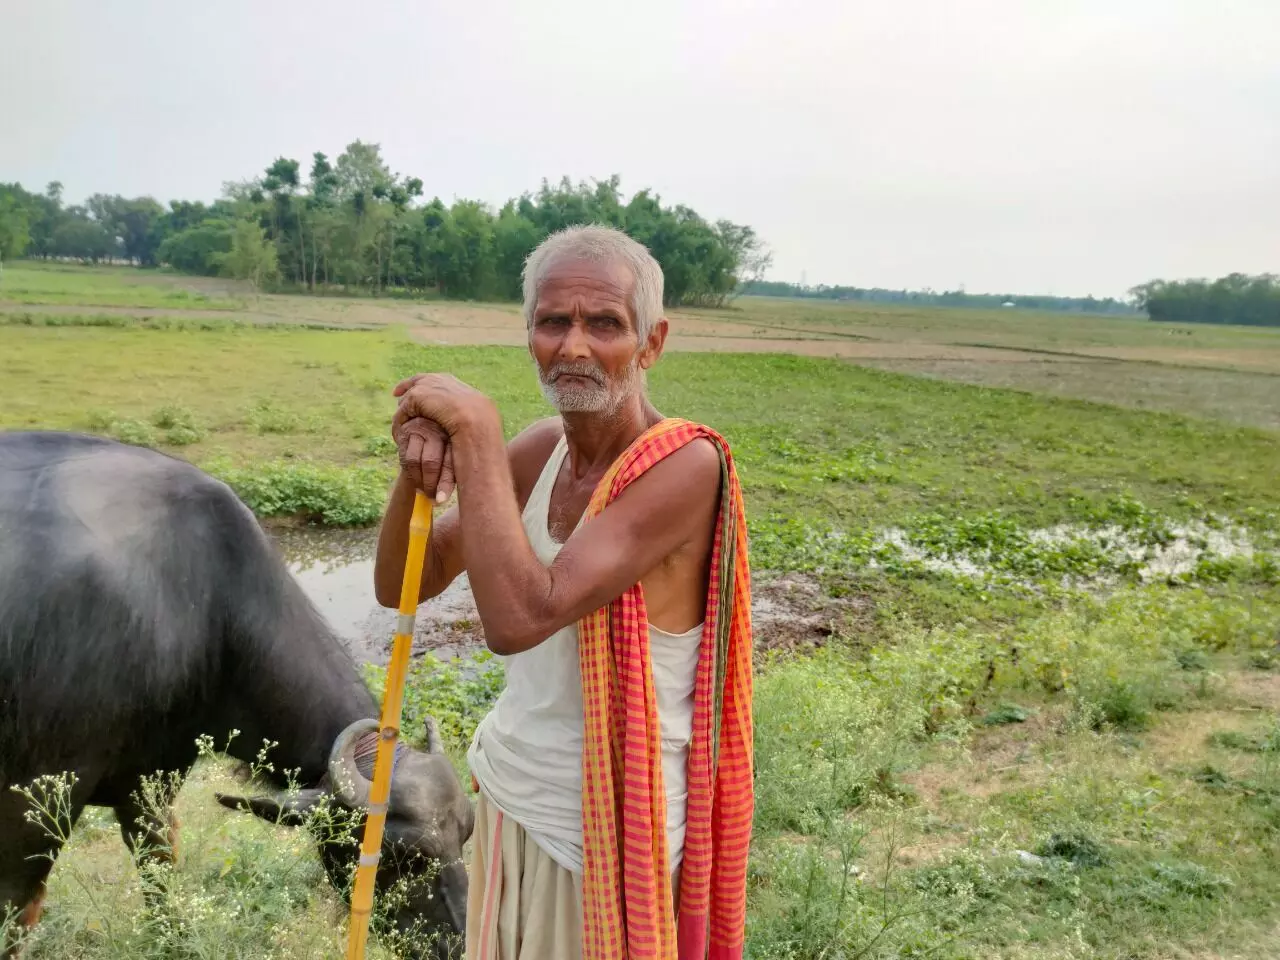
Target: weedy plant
(313, 492)
(242, 887)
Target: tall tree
(281, 183)
(252, 257)
(82, 237)
(46, 213)
(14, 234)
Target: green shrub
(172, 425)
(1114, 702)
(379, 445)
(1076, 846)
(1007, 713)
(457, 694)
(330, 495)
(267, 416)
(832, 731)
(1264, 660)
(179, 425)
(134, 432)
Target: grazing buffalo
(142, 607)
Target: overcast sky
(1063, 146)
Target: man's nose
(575, 345)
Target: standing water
(335, 568)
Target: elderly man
(606, 550)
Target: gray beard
(600, 396)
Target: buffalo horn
(349, 784)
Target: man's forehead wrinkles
(569, 285)
(579, 299)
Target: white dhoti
(521, 904)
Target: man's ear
(653, 347)
(290, 812)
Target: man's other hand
(426, 457)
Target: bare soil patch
(1261, 361)
(1258, 690)
(792, 611)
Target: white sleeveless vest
(527, 752)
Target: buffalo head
(429, 818)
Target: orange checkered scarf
(627, 908)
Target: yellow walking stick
(392, 699)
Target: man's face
(584, 338)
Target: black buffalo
(142, 607)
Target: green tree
(14, 235)
(81, 237)
(1236, 298)
(252, 256)
(356, 224)
(281, 183)
(129, 223)
(199, 248)
(360, 169)
(514, 238)
(45, 213)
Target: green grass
(331, 388)
(1215, 372)
(55, 284)
(816, 440)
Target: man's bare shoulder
(684, 482)
(698, 459)
(529, 450)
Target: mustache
(580, 368)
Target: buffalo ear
(291, 812)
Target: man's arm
(520, 601)
(526, 454)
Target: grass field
(1023, 700)
(1125, 361)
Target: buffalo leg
(27, 853)
(150, 830)
(151, 833)
(23, 922)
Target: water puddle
(335, 568)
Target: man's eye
(553, 321)
(604, 321)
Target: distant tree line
(949, 298)
(1236, 298)
(354, 223)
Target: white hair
(599, 243)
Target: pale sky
(1056, 146)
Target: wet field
(335, 568)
